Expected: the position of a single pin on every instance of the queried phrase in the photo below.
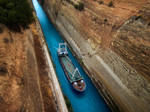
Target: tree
(16, 13)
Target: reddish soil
(101, 23)
(11, 71)
(24, 84)
(48, 98)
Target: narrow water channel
(90, 100)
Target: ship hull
(79, 85)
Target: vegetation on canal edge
(79, 6)
(16, 13)
(68, 103)
(111, 4)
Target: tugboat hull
(80, 87)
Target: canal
(90, 100)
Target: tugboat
(72, 73)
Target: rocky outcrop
(112, 44)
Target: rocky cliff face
(112, 42)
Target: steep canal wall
(122, 86)
(53, 99)
(52, 80)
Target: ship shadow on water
(79, 94)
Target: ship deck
(70, 68)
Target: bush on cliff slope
(79, 6)
(111, 4)
(68, 103)
(15, 13)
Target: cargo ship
(72, 73)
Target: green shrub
(100, 2)
(68, 0)
(1, 30)
(76, 6)
(79, 6)
(6, 40)
(16, 13)
(111, 4)
(69, 106)
(105, 20)
(3, 70)
(138, 17)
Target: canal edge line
(57, 92)
(52, 75)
